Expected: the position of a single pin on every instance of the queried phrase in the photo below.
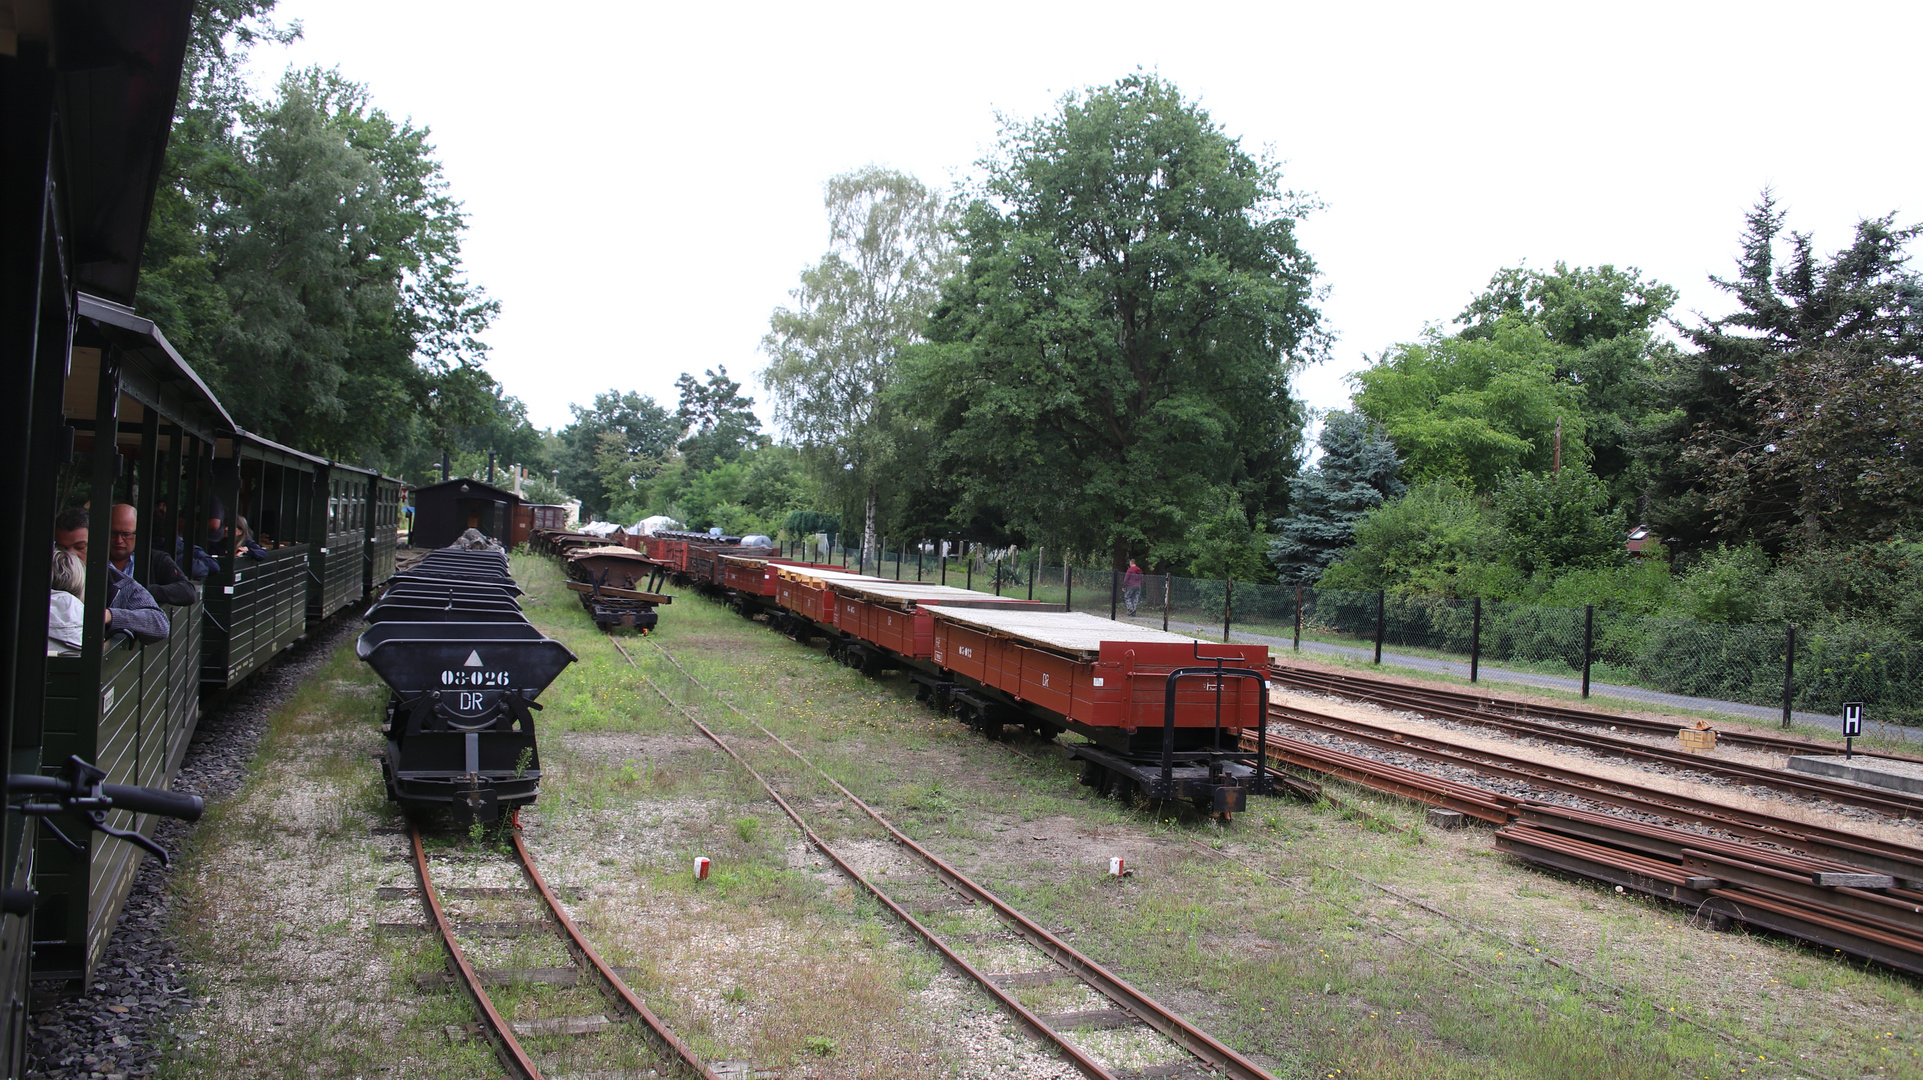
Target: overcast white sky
(644, 180)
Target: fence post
(1588, 643)
(943, 559)
(918, 547)
(969, 560)
(1114, 592)
(1789, 672)
(1475, 641)
(1068, 585)
(1297, 644)
(1228, 605)
(998, 573)
(1167, 581)
(1380, 596)
(1032, 574)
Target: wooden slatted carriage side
(257, 604)
(344, 498)
(127, 706)
(381, 546)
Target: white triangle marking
(473, 659)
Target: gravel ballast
(116, 1027)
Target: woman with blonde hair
(64, 609)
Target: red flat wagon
(1164, 712)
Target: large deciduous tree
(1356, 474)
(612, 446)
(718, 421)
(305, 256)
(833, 356)
(1605, 322)
(1574, 344)
(1114, 359)
(1471, 409)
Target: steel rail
(1213, 1053)
(1889, 857)
(1374, 688)
(1893, 803)
(586, 954)
(1088, 1065)
(1822, 919)
(499, 1032)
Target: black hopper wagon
(463, 667)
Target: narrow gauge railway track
(1898, 860)
(677, 1058)
(1857, 894)
(1130, 1004)
(1893, 803)
(1513, 713)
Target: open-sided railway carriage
(257, 601)
(128, 706)
(102, 410)
(463, 668)
(353, 529)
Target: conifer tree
(1356, 474)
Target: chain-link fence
(1662, 660)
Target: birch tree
(833, 354)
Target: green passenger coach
(262, 515)
(126, 705)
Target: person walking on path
(1132, 587)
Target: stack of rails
(1854, 893)
(608, 580)
(1873, 915)
(463, 667)
(1476, 707)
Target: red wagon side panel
(961, 649)
(1047, 680)
(1139, 671)
(754, 580)
(808, 599)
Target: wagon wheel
(1094, 774)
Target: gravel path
(114, 1030)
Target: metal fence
(1773, 670)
